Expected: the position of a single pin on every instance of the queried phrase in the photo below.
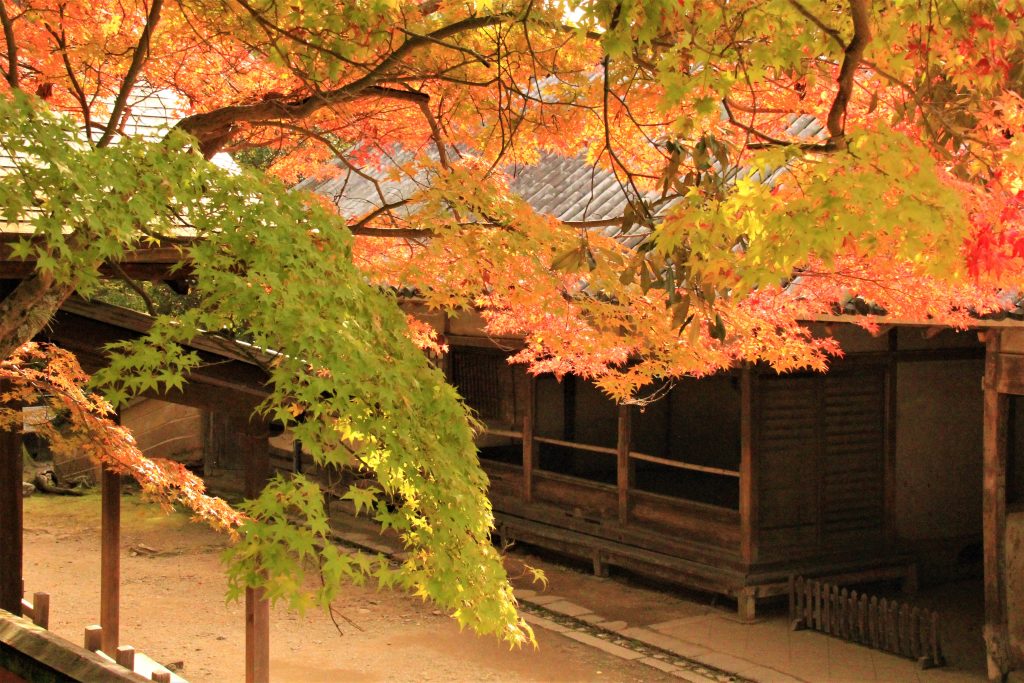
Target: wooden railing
(885, 625)
(682, 465)
(608, 450)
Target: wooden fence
(885, 625)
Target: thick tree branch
(394, 233)
(138, 59)
(219, 122)
(27, 310)
(11, 75)
(852, 58)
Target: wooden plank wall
(820, 452)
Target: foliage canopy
(907, 195)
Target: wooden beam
(11, 580)
(257, 609)
(748, 471)
(529, 424)
(994, 514)
(110, 560)
(622, 458)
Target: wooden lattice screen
(479, 378)
(885, 625)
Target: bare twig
(136, 287)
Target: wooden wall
(167, 430)
(819, 445)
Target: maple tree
(906, 196)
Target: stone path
(707, 644)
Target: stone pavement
(702, 643)
(716, 646)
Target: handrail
(605, 450)
(503, 432)
(580, 446)
(679, 464)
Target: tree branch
(136, 287)
(853, 55)
(211, 125)
(396, 233)
(138, 59)
(11, 75)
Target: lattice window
(484, 380)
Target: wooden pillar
(748, 470)
(257, 609)
(994, 514)
(622, 457)
(889, 466)
(569, 407)
(11, 580)
(529, 422)
(110, 560)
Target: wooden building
(733, 483)
(1004, 501)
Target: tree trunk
(27, 310)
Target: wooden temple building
(904, 461)
(895, 464)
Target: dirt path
(173, 609)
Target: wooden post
(11, 580)
(622, 456)
(93, 637)
(110, 560)
(41, 610)
(529, 422)
(257, 609)
(296, 456)
(125, 656)
(994, 514)
(889, 456)
(748, 471)
(161, 677)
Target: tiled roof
(149, 114)
(567, 188)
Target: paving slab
(659, 664)
(567, 608)
(544, 623)
(603, 645)
(591, 618)
(617, 626)
(544, 599)
(691, 676)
